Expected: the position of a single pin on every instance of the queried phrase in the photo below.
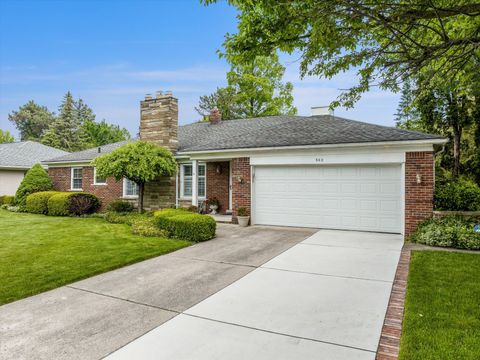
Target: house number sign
(319, 160)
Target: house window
(130, 188)
(186, 175)
(76, 178)
(98, 180)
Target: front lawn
(442, 309)
(39, 253)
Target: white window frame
(124, 188)
(72, 170)
(95, 178)
(182, 177)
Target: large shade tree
(384, 41)
(138, 161)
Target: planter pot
(243, 220)
(214, 209)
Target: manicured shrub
(37, 203)
(459, 195)
(450, 231)
(75, 203)
(36, 179)
(147, 227)
(123, 218)
(7, 200)
(120, 206)
(184, 225)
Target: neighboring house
(17, 157)
(318, 171)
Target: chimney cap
(321, 110)
(215, 116)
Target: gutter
(362, 144)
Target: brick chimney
(159, 120)
(215, 116)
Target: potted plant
(214, 204)
(242, 216)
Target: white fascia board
(7, 167)
(396, 146)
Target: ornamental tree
(138, 161)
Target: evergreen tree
(31, 120)
(66, 128)
(406, 116)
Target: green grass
(39, 253)
(442, 309)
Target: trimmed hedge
(36, 179)
(147, 227)
(37, 203)
(450, 231)
(72, 203)
(185, 225)
(7, 200)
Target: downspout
(176, 190)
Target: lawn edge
(389, 344)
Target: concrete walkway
(324, 298)
(94, 317)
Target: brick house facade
(231, 151)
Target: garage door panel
(342, 197)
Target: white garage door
(351, 197)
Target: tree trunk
(141, 190)
(457, 136)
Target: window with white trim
(77, 176)
(97, 180)
(186, 175)
(130, 188)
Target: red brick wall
(61, 177)
(418, 196)
(217, 183)
(241, 195)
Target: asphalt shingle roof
(272, 131)
(25, 154)
(277, 131)
(88, 154)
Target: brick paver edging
(389, 345)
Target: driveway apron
(324, 298)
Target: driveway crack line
(279, 333)
(318, 274)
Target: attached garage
(350, 197)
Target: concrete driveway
(324, 298)
(94, 317)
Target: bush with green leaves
(147, 226)
(7, 200)
(451, 231)
(123, 218)
(36, 179)
(72, 203)
(37, 203)
(457, 195)
(120, 206)
(185, 225)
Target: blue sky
(113, 52)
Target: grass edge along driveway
(39, 253)
(442, 307)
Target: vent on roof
(321, 110)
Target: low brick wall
(464, 214)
